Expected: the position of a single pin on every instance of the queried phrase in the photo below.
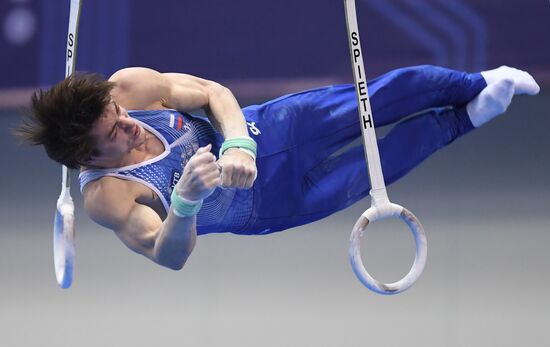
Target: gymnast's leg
(402, 92)
(319, 112)
(326, 118)
(405, 91)
(394, 95)
(341, 180)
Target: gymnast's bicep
(143, 88)
(140, 230)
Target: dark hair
(62, 116)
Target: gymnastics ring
(63, 240)
(377, 213)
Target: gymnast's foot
(524, 83)
(491, 102)
(502, 84)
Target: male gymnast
(159, 176)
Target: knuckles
(235, 173)
(241, 169)
(250, 171)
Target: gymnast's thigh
(306, 116)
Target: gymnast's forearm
(224, 112)
(175, 241)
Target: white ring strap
(381, 206)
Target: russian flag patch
(176, 121)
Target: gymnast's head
(61, 118)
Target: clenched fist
(238, 169)
(200, 176)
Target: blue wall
(251, 39)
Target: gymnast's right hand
(200, 176)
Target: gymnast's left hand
(238, 169)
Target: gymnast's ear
(93, 161)
(88, 163)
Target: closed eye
(113, 132)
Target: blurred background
(484, 201)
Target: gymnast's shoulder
(144, 88)
(139, 88)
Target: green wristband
(243, 142)
(182, 207)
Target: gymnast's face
(117, 134)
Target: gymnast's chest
(157, 180)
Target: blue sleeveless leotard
(182, 134)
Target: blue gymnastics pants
(307, 169)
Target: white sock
(491, 102)
(524, 83)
